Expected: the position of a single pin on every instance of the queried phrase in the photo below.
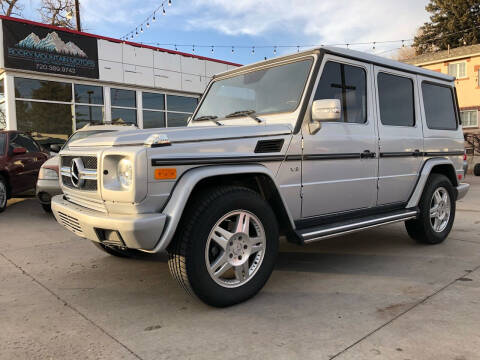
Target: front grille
(70, 223)
(89, 162)
(89, 185)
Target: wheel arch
(4, 174)
(442, 166)
(255, 176)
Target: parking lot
(374, 294)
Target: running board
(317, 233)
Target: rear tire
(476, 169)
(116, 251)
(3, 194)
(225, 247)
(437, 212)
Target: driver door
(340, 161)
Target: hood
(182, 135)
(52, 162)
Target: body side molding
(185, 185)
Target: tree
(405, 53)
(11, 7)
(452, 23)
(58, 12)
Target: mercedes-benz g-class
(310, 146)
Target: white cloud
(334, 21)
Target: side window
(3, 140)
(439, 107)
(348, 84)
(395, 97)
(21, 140)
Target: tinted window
(53, 120)
(85, 114)
(21, 140)
(395, 96)
(124, 98)
(43, 90)
(3, 139)
(439, 107)
(176, 119)
(87, 94)
(153, 119)
(153, 101)
(181, 103)
(347, 84)
(124, 116)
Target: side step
(322, 232)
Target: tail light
(464, 155)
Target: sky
(254, 23)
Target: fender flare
(185, 185)
(422, 179)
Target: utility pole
(77, 15)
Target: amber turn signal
(165, 174)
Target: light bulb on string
(373, 47)
(163, 11)
(193, 48)
(253, 50)
(233, 50)
(169, 2)
(154, 18)
(298, 48)
(141, 29)
(274, 50)
(212, 49)
(148, 24)
(403, 43)
(175, 47)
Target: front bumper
(46, 189)
(462, 190)
(135, 231)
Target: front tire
(437, 212)
(3, 194)
(225, 247)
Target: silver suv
(309, 146)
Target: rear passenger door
(400, 135)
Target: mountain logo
(51, 43)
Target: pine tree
(452, 23)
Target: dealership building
(54, 81)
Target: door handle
(367, 154)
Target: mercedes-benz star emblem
(76, 171)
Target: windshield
(273, 90)
(81, 135)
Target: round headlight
(125, 172)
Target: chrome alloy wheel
(235, 248)
(440, 209)
(3, 195)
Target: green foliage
(452, 23)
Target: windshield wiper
(249, 113)
(209, 117)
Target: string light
(373, 48)
(233, 50)
(253, 50)
(154, 18)
(212, 49)
(163, 11)
(151, 18)
(274, 50)
(169, 2)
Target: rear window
(439, 107)
(3, 139)
(395, 96)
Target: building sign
(31, 47)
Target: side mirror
(55, 148)
(19, 151)
(324, 111)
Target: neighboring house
(53, 81)
(463, 63)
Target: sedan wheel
(440, 209)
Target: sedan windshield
(273, 90)
(81, 135)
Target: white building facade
(54, 81)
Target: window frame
(414, 84)
(136, 108)
(457, 64)
(454, 99)
(469, 126)
(342, 61)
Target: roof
(352, 54)
(116, 40)
(455, 53)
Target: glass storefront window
(123, 98)
(153, 101)
(85, 114)
(3, 114)
(124, 116)
(44, 121)
(177, 119)
(43, 90)
(88, 94)
(181, 103)
(153, 119)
